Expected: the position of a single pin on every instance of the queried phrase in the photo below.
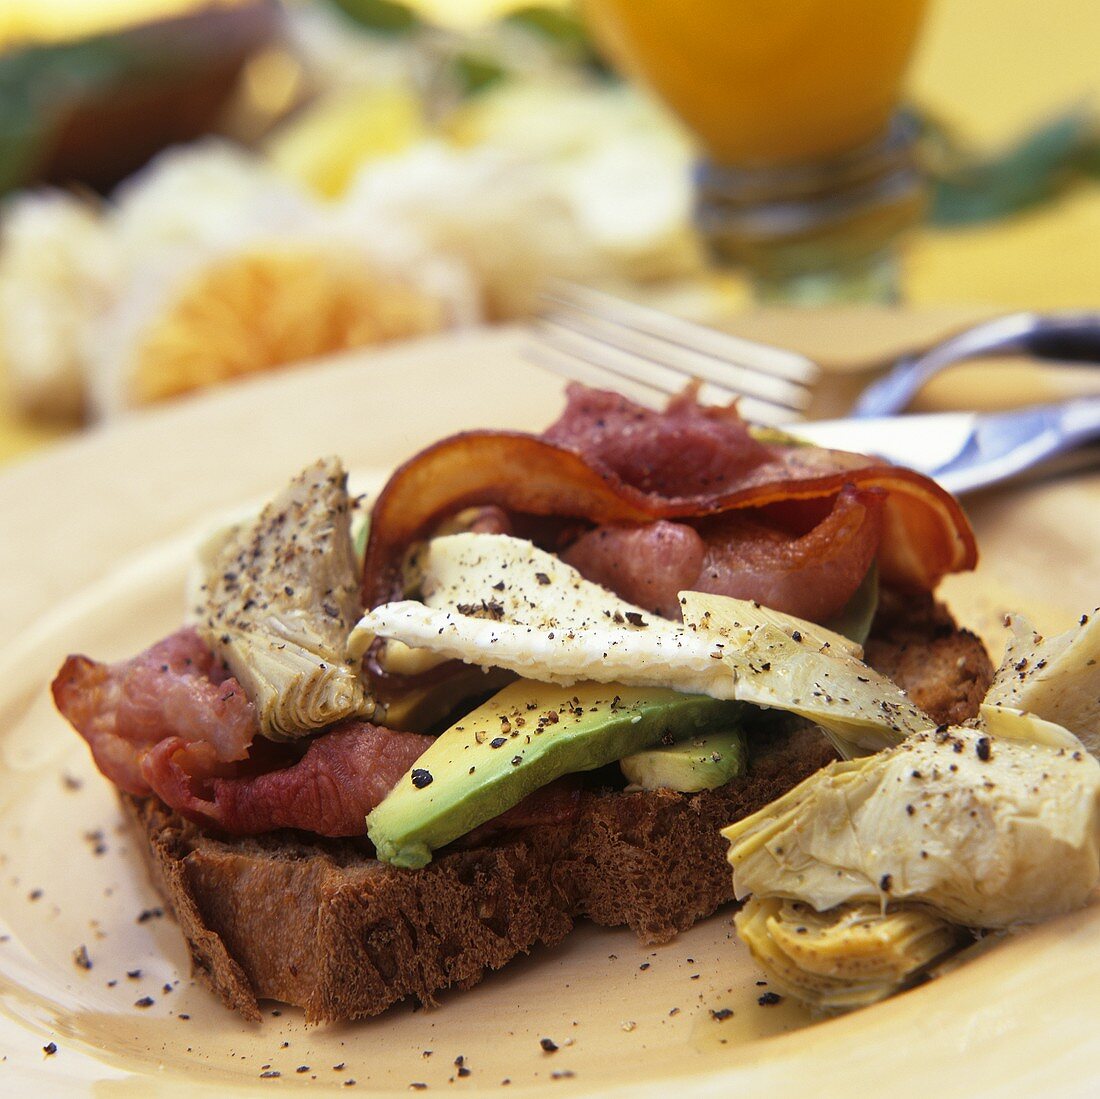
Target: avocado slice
(701, 762)
(523, 738)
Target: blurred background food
(197, 191)
(90, 91)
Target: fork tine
(611, 358)
(673, 364)
(582, 358)
(579, 370)
(759, 358)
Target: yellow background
(993, 68)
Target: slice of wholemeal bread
(324, 925)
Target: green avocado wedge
(523, 738)
(704, 761)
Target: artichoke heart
(986, 832)
(281, 593)
(847, 957)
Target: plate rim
(105, 447)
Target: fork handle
(1065, 337)
(1071, 337)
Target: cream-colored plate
(94, 548)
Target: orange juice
(767, 82)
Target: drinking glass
(808, 176)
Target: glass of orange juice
(808, 177)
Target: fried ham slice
(172, 722)
(343, 774)
(688, 450)
(647, 565)
(175, 689)
(609, 462)
(741, 554)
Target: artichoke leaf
(1055, 678)
(808, 670)
(1012, 724)
(847, 957)
(984, 832)
(280, 594)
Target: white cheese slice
(497, 601)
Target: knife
(965, 451)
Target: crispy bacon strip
(175, 689)
(342, 776)
(924, 532)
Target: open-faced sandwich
(557, 668)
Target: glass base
(876, 279)
(821, 233)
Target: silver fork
(647, 355)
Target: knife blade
(964, 451)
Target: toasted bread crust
(944, 670)
(324, 925)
